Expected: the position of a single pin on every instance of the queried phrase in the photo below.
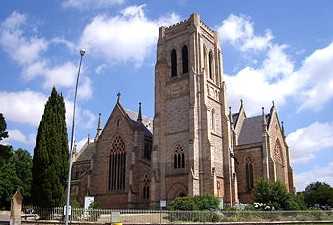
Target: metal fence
(169, 217)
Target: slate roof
(146, 125)
(86, 152)
(251, 131)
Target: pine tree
(50, 160)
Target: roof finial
(139, 114)
(264, 116)
(273, 104)
(230, 116)
(241, 102)
(118, 97)
(282, 128)
(99, 129)
(88, 139)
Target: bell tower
(192, 146)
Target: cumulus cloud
(273, 79)
(22, 106)
(21, 49)
(276, 77)
(127, 37)
(239, 31)
(28, 51)
(318, 173)
(90, 4)
(27, 107)
(17, 136)
(305, 142)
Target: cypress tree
(50, 160)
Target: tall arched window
(146, 191)
(179, 157)
(173, 63)
(210, 64)
(185, 59)
(147, 149)
(205, 58)
(212, 118)
(117, 165)
(249, 174)
(278, 152)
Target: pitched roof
(146, 125)
(86, 152)
(251, 131)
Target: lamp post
(82, 51)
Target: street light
(82, 52)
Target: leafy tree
(50, 161)
(5, 151)
(205, 202)
(275, 194)
(23, 167)
(15, 174)
(318, 193)
(15, 170)
(3, 127)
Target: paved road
(4, 217)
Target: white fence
(131, 216)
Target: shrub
(206, 202)
(274, 196)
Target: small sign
(221, 203)
(88, 200)
(69, 210)
(115, 217)
(163, 203)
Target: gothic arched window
(210, 64)
(185, 59)
(173, 63)
(278, 152)
(212, 118)
(147, 149)
(179, 157)
(117, 165)
(249, 174)
(146, 191)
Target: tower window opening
(185, 59)
(173, 63)
(249, 174)
(210, 64)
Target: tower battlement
(190, 24)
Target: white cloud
(27, 107)
(317, 73)
(20, 48)
(276, 78)
(100, 68)
(18, 136)
(128, 37)
(322, 174)
(22, 106)
(27, 52)
(305, 142)
(90, 4)
(239, 31)
(272, 80)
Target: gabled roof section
(86, 152)
(251, 131)
(146, 124)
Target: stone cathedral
(195, 145)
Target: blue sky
(281, 50)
